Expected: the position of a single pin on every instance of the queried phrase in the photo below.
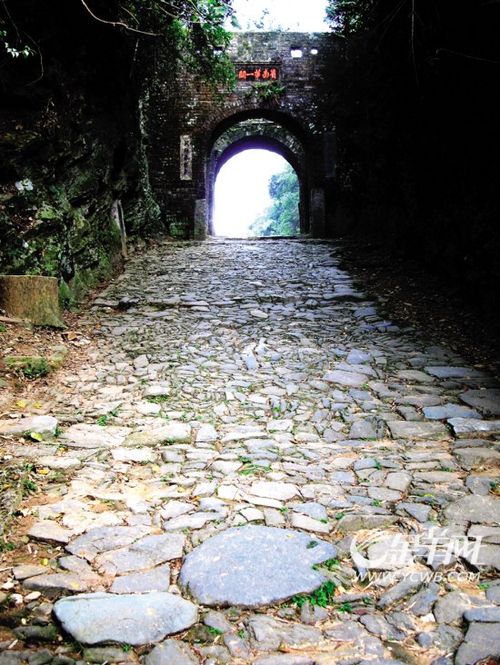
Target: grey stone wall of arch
(192, 127)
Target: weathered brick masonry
(194, 129)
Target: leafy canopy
(347, 16)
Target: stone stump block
(32, 298)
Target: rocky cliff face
(73, 172)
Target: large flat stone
(176, 509)
(353, 523)
(195, 521)
(39, 424)
(156, 390)
(206, 434)
(447, 411)
(471, 458)
(358, 356)
(269, 633)
(482, 640)
(465, 428)
(174, 432)
(488, 534)
(103, 539)
(57, 583)
(94, 436)
(451, 607)
(342, 378)
(414, 375)
(383, 494)
(60, 463)
(483, 614)
(307, 523)
(243, 432)
(403, 588)
(50, 531)
(487, 401)
(488, 556)
(130, 619)
(474, 508)
(399, 481)
(447, 372)
(274, 490)
(171, 652)
(142, 555)
(141, 455)
(390, 553)
(418, 431)
(435, 477)
(254, 566)
(100, 655)
(26, 570)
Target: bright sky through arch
(242, 190)
(290, 15)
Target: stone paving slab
(487, 400)
(130, 619)
(239, 386)
(254, 566)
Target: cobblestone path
(256, 468)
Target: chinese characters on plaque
(186, 157)
(258, 73)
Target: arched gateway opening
(260, 129)
(256, 195)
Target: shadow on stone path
(247, 420)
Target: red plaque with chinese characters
(257, 73)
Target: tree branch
(117, 24)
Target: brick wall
(185, 113)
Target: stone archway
(189, 122)
(258, 129)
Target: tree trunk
(32, 298)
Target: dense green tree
(282, 217)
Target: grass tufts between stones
(329, 564)
(104, 419)
(322, 597)
(158, 399)
(251, 469)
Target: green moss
(51, 259)
(67, 298)
(47, 212)
(180, 229)
(31, 367)
(268, 91)
(63, 226)
(83, 282)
